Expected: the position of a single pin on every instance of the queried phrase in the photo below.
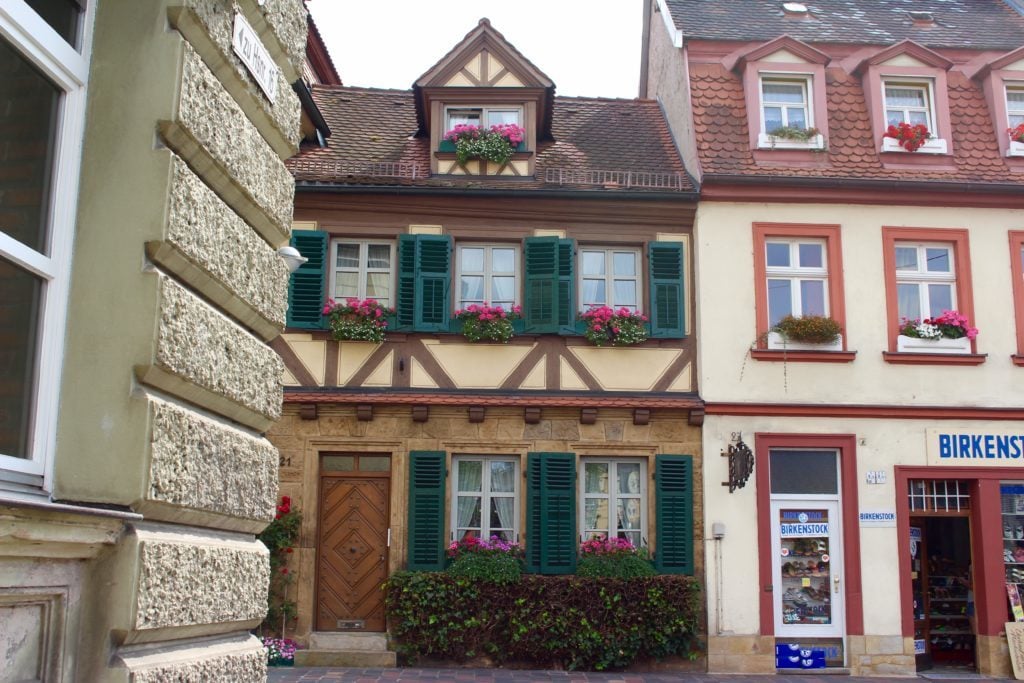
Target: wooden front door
(352, 552)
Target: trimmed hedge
(570, 622)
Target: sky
(587, 47)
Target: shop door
(808, 590)
(352, 552)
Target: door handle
(835, 583)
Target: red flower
(288, 550)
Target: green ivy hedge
(571, 622)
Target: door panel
(352, 553)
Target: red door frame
(986, 540)
(846, 445)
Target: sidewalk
(330, 675)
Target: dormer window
(787, 113)
(482, 116)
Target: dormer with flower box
(904, 89)
(1002, 80)
(484, 107)
(784, 90)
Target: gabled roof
(983, 68)
(375, 144)
(976, 24)
(753, 53)
(871, 57)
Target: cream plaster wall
(726, 323)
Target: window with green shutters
(549, 297)
(667, 309)
(673, 491)
(424, 282)
(426, 510)
(551, 535)
(306, 290)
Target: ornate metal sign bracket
(741, 465)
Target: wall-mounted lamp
(292, 258)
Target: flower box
(1016, 149)
(780, 341)
(905, 344)
(932, 146)
(766, 141)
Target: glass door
(806, 570)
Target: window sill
(903, 358)
(787, 356)
(933, 146)
(1018, 359)
(770, 142)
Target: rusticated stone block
(202, 347)
(203, 464)
(203, 228)
(287, 19)
(183, 584)
(214, 120)
(209, 25)
(239, 660)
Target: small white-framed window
(909, 102)
(485, 500)
(609, 277)
(1015, 105)
(44, 55)
(482, 116)
(785, 104)
(797, 274)
(613, 499)
(487, 273)
(925, 280)
(363, 269)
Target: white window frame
(922, 277)
(488, 271)
(612, 496)
(797, 274)
(484, 112)
(363, 267)
(768, 141)
(29, 35)
(1015, 149)
(610, 277)
(485, 494)
(934, 145)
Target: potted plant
(357, 320)
(606, 326)
(491, 323)
(496, 144)
(806, 333)
(948, 333)
(909, 137)
(1016, 140)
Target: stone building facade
(134, 473)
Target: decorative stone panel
(212, 134)
(208, 25)
(199, 463)
(239, 660)
(202, 228)
(205, 358)
(183, 582)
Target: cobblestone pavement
(336, 675)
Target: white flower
(926, 331)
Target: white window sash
(485, 495)
(68, 69)
(798, 274)
(806, 106)
(488, 273)
(483, 111)
(613, 497)
(363, 268)
(610, 277)
(1013, 108)
(929, 102)
(922, 277)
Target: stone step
(360, 659)
(360, 642)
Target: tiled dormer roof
(975, 24)
(374, 143)
(720, 125)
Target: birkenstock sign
(965, 448)
(247, 45)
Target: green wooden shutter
(673, 490)
(424, 282)
(308, 284)
(550, 285)
(667, 310)
(551, 537)
(426, 510)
